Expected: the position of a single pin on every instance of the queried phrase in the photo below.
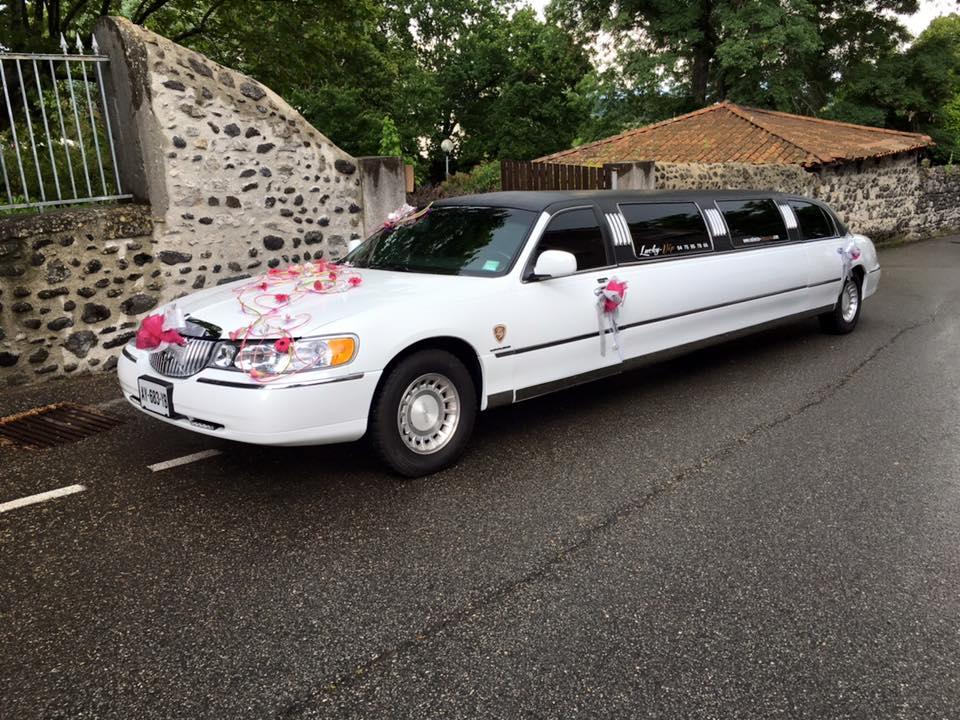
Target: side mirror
(353, 245)
(553, 264)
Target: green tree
(917, 89)
(784, 54)
(390, 138)
(517, 78)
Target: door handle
(602, 280)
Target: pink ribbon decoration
(847, 255)
(272, 303)
(159, 332)
(609, 299)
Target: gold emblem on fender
(499, 332)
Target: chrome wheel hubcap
(849, 301)
(429, 413)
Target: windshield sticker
(491, 265)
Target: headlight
(303, 354)
(224, 355)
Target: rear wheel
(843, 318)
(423, 414)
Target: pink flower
(151, 334)
(333, 275)
(318, 286)
(282, 345)
(281, 298)
(614, 293)
(263, 286)
(355, 280)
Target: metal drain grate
(54, 425)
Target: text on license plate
(156, 396)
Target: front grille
(183, 361)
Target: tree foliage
(790, 55)
(487, 73)
(403, 75)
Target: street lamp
(447, 147)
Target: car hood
(380, 291)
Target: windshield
(480, 241)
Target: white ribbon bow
(604, 295)
(847, 255)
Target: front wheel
(843, 318)
(423, 414)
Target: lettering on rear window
(753, 222)
(666, 229)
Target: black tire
(834, 322)
(388, 438)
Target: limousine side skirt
(533, 391)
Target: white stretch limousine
(487, 300)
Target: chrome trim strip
(537, 390)
(328, 381)
(255, 386)
(620, 230)
(227, 383)
(128, 355)
(578, 338)
(718, 227)
(789, 219)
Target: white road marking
(186, 459)
(41, 497)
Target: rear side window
(577, 232)
(753, 222)
(666, 229)
(814, 223)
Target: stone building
(873, 177)
(729, 133)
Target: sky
(929, 9)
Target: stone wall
(877, 198)
(71, 285)
(237, 179)
(938, 206)
(888, 198)
(231, 181)
(734, 176)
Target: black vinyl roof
(539, 200)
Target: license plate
(156, 395)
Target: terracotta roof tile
(726, 132)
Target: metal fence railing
(56, 142)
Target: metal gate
(56, 142)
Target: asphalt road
(770, 528)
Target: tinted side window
(666, 229)
(577, 232)
(753, 221)
(813, 221)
